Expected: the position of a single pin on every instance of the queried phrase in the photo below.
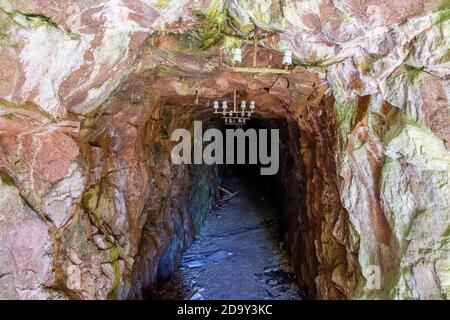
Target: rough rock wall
(328, 266)
(152, 208)
(80, 182)
(388, 66)
(375, 147)
(90, 209)
(393, 156)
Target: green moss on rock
(345, 113)
(210, 26)
(412, 74)
(161, 4)
(90, 199)
(114, 253)
(445, 4)
(6, 179)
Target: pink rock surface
(88, 101)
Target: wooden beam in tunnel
(255, 48)
(259, 70)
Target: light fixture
(235, 116)
(237, 55)
(236, 59)
(287, 58)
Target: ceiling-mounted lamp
(237, 55)
(234, 115)
(287, 58)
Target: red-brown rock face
(91, 206)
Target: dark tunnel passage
(241, 250)
(182, 199)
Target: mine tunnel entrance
(240, 251)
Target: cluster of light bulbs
(236, 116)
(239, 116)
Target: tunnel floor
(237, 254)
